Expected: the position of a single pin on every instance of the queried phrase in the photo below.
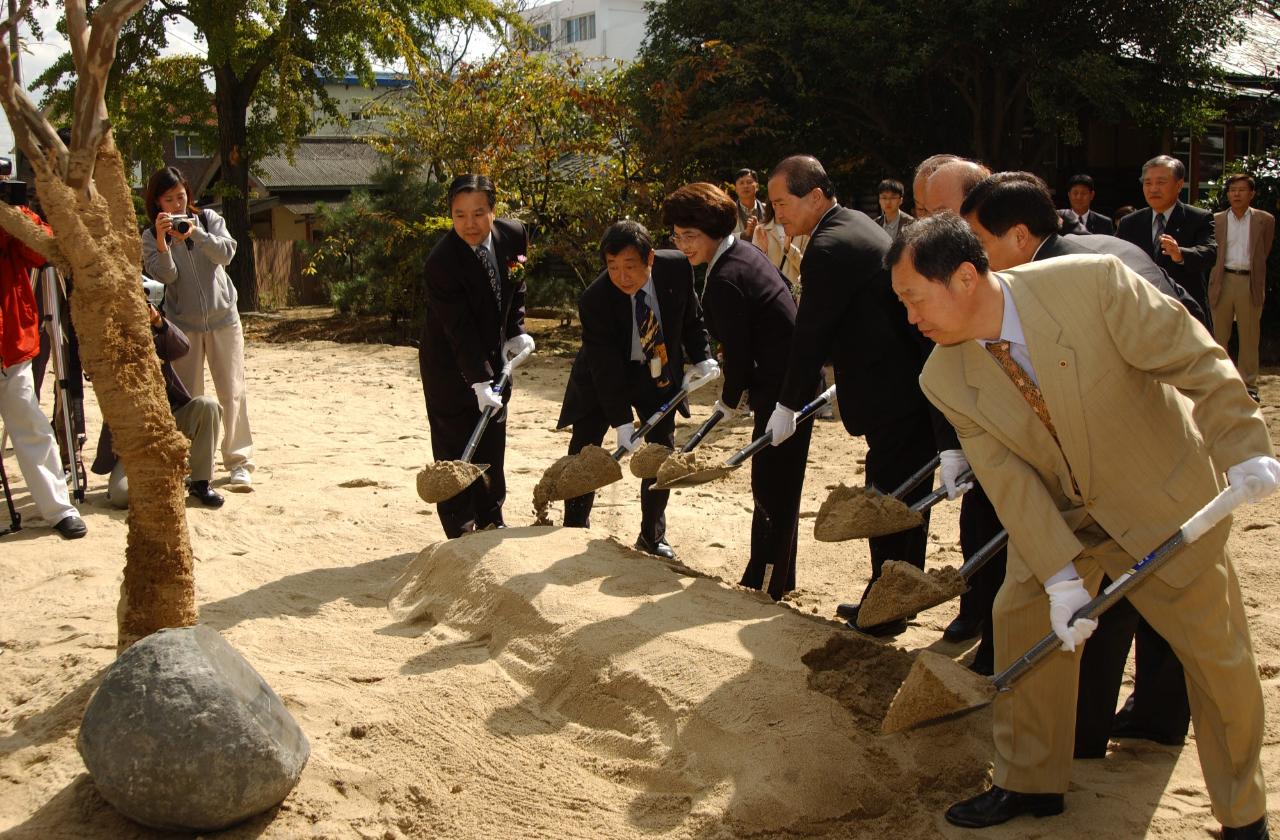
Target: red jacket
(19, 319)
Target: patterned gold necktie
(652, 342)
(1026, 386)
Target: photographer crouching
(197, 418)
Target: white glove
(626, 437)
(953, 464)
(782, 423)
(1064, 599)
(486, 398)
(703, 369)
(516, 345)
(1264, 468)
(725, 412)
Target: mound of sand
(445, 479)
(701, 699)
(851, 513)
(936, 686)
(683, 464)
(573, 475)
(647, 459)
(903, 590)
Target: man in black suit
(848, 314)
(1012, 214)
(474, 325)
(1178, 236)
(1079, 218)
(640, 319)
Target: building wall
(619, 27)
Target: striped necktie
(1155, 240)
(652, 342)
(494, 284)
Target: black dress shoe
(71, 527)
(204, 494)
(1128, 729)
(888, 628)
(1253, 392)
(998, 805)
(962, 629)
(849, 611)
(658, 548)
(1253, 831)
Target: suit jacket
(907, 220)
(750, 311)
(599, 377)
(1193, 230)
(1262, 234)
(465, 328)
(850, 316)
(1095, 223)
(1137, 261)
(1111, 354)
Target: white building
(609, 29)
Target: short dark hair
(1006, 199)
(938, 245)
(1122, 211)
(744, 172)
(160, 182)
(1179, 169)
(472, 183)
(803, 174)
(1082, 180)
(703, 206)
(888, 185)
(626, 234)
(1240, 176)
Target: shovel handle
(983, 555)
(939, 494)
(916, 477)
(666, 408)
(810, 409)
(707, 426)
(485, 416)
(1218, 508)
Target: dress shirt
(720, 249)
(487, 244)
(651, 299)
(1011, 331)
(1155, 218)
(1238, 240)
(891, 228)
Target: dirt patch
(936, 687)
(445, 479)
(574, 475)
(851, 513)
(903, 590)
(648, 459)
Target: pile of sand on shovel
(648, 459)
(851, 513)
(683, 464)
(573, 475)
(935, 688)
(446, 479)
(903, 590)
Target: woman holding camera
(187, 250)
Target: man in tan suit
(1062, 379)
(1238, 281)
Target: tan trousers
(198, 420)
(1205, 624)
(224, 349)
(1236, 303)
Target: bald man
(920, 182)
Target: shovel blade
(936, 688)
(647, 459)
(902, 590)
(443, 480)
(696, 478)
(852, 513)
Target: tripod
(68, 401)
(15, 518)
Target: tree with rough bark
(86, 198)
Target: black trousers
(591, 429)
(480, 505)
(1158, 704)
(894, 452)
(777, 479)
(978, 524)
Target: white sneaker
(241, 481)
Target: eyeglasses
(689, 238)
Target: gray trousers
(199, 420)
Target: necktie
(652, 343)
(1157, 250)
(494, 284)
(1029, 390)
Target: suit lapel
(1008, 416)
(1176, 217)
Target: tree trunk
(231, 96)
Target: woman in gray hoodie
(187, 250)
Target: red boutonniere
(516, 267)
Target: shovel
(443, 480)
(850, 513)
(902, 590)
(648, 458)
(938, 687)
(703, 475)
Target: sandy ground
(538, 682)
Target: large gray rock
(183, 733)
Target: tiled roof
(1259, 52)
(328, 162)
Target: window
(187, 146)
(580, 28)
(542, 36)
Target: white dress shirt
(1011, 331)
(650, 299)
(1238, 240)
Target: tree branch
(18, 225)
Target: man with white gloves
(641, 322)
(474, 292)
(1064, 380)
